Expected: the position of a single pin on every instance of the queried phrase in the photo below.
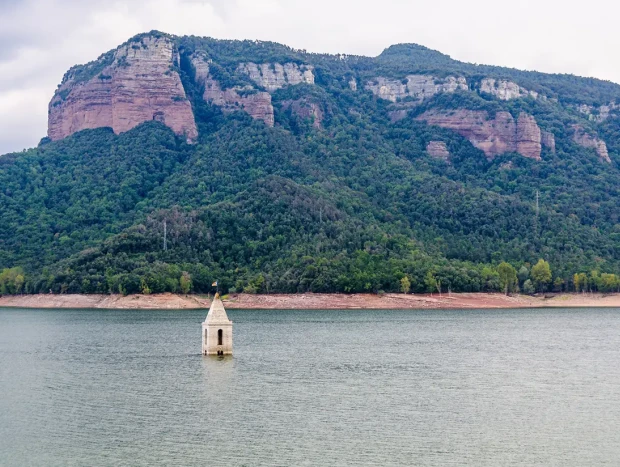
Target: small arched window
(220, 336)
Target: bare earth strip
(311, 301)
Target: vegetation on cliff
(353, 206)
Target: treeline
(12, 281)
(364, 274)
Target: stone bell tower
(217, 330)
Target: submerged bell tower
(217, 330)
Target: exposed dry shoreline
(311, 301)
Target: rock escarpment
(505, 90)
(256, 103)
(598, 114)
(418, 87)
(135, 83)
(306, 110)
(586, 140)
(274, 76)
(494, 136)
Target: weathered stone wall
(210, 339)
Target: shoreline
(312, 301)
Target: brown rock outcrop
(419, 87)
(257, 104)
(438, 149)
(493, 136)
(273, 76)
(305, 110)
(586, 140)
(138, 84)
(529, 138)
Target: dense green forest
(354, 206)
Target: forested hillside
(408, 171)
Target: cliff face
(419, 87)
(135, 84)
(306, 110)
(598, 114)
(257, 104)
(493, 136)
(274, 76)
(141, 81)
(505, 90)
(586, 140)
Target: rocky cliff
(494, 136)
(274, 76)
(256, 103)
(418, 87)
(505, 90)
(251, 99)
(151, 76)
(135, 83)
(587, 140)
(598, 114)
(306, 110)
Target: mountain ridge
(278, 170)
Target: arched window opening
(220, 336)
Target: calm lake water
(119, 387)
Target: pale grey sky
(41, 39)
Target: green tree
(186, 282)
(12, 280)
(583, 282)
(431, 282)
(144, 287)
(541, 275)
(405, 285)
(507, 277)
(528, 287)
(524, 274)
(594, 281)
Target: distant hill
(272, 169)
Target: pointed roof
(217, 313)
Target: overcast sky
(41, 39)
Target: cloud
(41, 39)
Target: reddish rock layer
(493, 136)
(139, 85)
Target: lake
(356, 387)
